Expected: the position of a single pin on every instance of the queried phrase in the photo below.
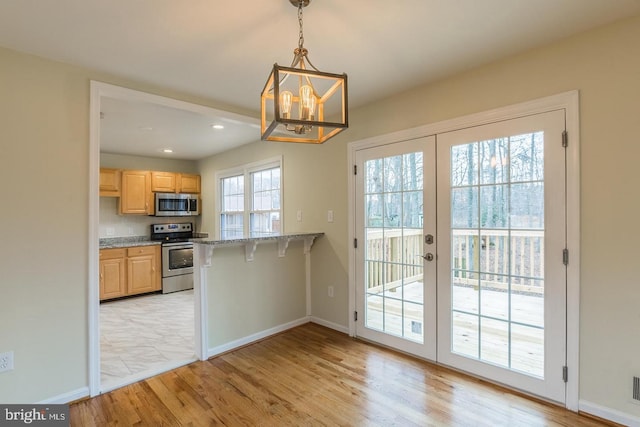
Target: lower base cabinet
(129, 271)
(112, 274)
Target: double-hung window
(251, 200)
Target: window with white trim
(232, 207)
(250, 202)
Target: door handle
(428, 256)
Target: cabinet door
(136, 193)
(109, 182)
(143, 272)
(112, 278)
(163, 182)
(188, 183)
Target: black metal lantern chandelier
(300, 104)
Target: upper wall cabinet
(109, 182)
(135, 188)
(163, 182)
(188, 183)
(137, 197)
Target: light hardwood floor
(311, 376)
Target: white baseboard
(66, 397)
(255, 337)
(330, 325)
(609, 414)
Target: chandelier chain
(301, 34)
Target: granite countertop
(276, 237)
(251, 243)
(126, 242)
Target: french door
(396, 209)
(485, 291)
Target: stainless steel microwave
(172, 204)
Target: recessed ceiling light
(146, 128)
(167, 150)
(217, 126)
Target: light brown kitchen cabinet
(143, 272)
(112, 274)
(109, 182)
(136, 197)
(163, 182)
(129, 271)
(187, 183)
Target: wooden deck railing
(495, 254)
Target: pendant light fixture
(300, 104)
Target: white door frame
(569, 101)
(97, 91)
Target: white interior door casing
(503, 317)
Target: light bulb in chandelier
(307, 104)
(286, 100)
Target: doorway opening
(194, 302)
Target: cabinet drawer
(141, 250)
(112, 253)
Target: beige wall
(44, 106)
(244, 301)
(43, 262)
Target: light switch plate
(6, 361)
(329, 216)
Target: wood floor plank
(311, 376)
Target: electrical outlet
(299, 215)
(110, 231)
(330, 291)
(6, 361)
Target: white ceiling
(224, 50)
(140, 128)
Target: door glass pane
(394, 245)
(497, 244)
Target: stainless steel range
(177, 255)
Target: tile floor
(144, 335)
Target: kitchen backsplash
(114, 225)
